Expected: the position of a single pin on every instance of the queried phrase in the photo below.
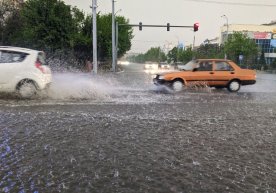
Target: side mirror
(195, 69)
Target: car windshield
(190, 65)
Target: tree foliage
(52, 25)
(239, 44)
(7, 9)
(210, 51)
(180, 55)
(154, 54)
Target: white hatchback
(23, 71)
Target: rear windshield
(41, 58)
(12, 57)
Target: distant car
(179, 65)
(164, 66)
(23, 71)
(151, 66)
(218, 73)
(124, 63)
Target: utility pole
(94, 34)
(117, 41)
(113, 39)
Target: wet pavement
(121, 134)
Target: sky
(182, 12)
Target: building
(264, 35)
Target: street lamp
(227, 31)
(227, 26)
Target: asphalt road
(119, 133)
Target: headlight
(161, 77)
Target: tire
(27, 89)
(234, 86)
(177, 85)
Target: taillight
(40, 67)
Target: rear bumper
(44, 82)
(248, 82)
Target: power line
(232, 3)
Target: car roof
(18, 49)
(222, 60)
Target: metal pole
(227, 28)
(113, 39)
(94, 33)
(117, 41)
(194, 41)
(227, 31)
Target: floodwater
(119, 133)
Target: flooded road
(119, 133)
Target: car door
(10, 63)
(201, 75)
(223, 73)
(5, 59)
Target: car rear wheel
(234, 86)
(27, 89)
(177, 85)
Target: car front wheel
(177, 85)
(234, 86)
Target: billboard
(261, 35)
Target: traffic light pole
(140, 25)
(113, 39)
(166, 26)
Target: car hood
(168, 72)
(172, 72)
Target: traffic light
(168, 26)
(196, 26)
(140, 26)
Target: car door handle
(232, 72)
(211, 72)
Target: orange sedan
(217, 73)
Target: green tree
(173, 55)
(209, 51)
(104, 35)
(47, 23)
(186, 55)
(155, 54)
(12, 30)
(237, 44)
(51, 25)
(7, 9)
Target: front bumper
(157, 81)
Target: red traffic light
(196, 26)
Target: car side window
(12, 57)
(223, 66)
(204, 66)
